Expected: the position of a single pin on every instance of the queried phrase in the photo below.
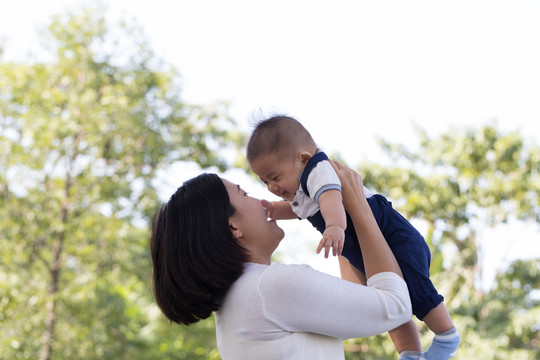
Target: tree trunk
(55, 270)
(50, 315)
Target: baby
(282, 153)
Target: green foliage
(505, 324)
(81, 138)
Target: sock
(409, 355)
(444, 346)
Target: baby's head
(278, 151)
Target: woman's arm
(300, 299)
(350, 273)
(375, 250)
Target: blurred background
(107, 107)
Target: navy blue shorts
(409, 248)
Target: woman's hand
(352, 187)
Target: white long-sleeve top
(296, 312)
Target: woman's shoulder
(276, 272)
(287, 277)
(288, 269)
(270, 280)
(275, 269)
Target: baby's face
(281, 176)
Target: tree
(82, 136)
(457, 184)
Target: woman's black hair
(195, 256)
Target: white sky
(349, 70)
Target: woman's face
(251, 225)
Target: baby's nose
(273, 188)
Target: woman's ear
(304, 157)
(237, 233)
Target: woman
(211, 248)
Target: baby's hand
(333, 237)
(269, 208)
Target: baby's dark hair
(281, 135)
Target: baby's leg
(438, 319)
(407, 340)
(446, 339)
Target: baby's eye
(275, 178)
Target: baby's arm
(279, 210)
(334, 216)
